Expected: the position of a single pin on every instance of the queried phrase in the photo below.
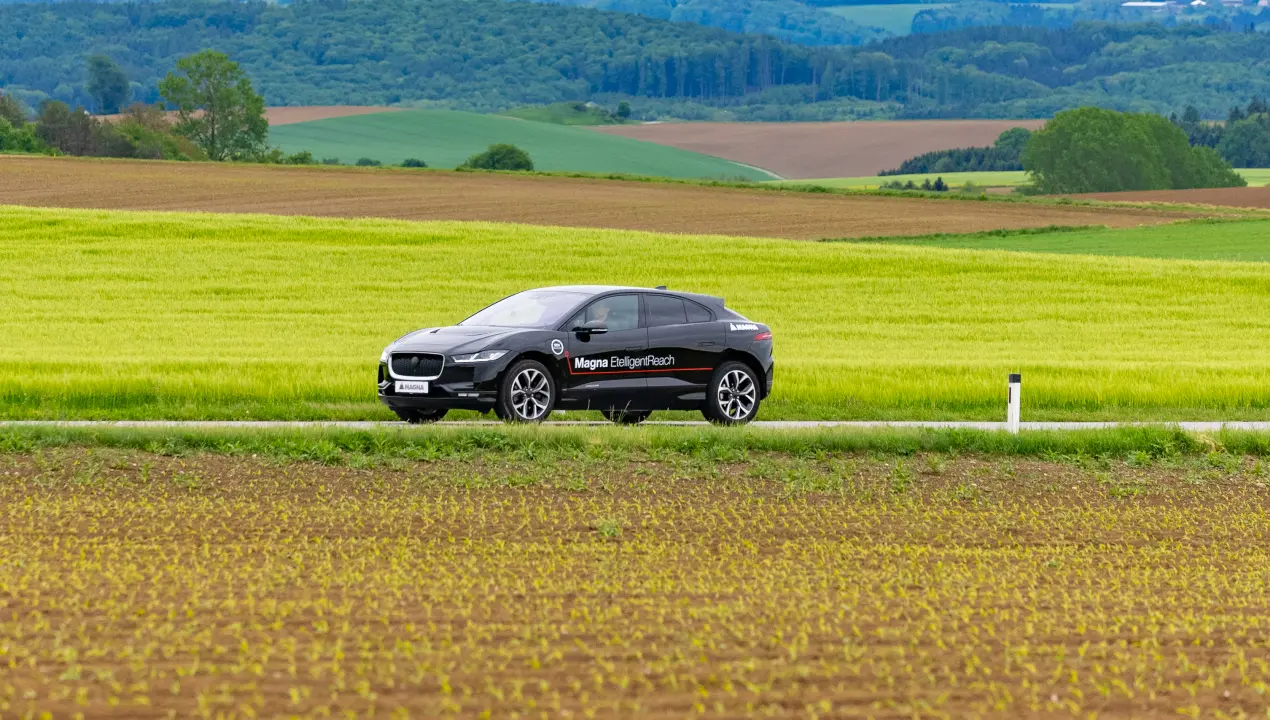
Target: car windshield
(530, 309)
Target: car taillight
(763, 336)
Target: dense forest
(490, 55)
(788, 20)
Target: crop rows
(140, 585)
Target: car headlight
(482, 356)
(383, 356)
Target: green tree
(1247, 142)
(108, 84)
(216, 106)
(1095, 150)
(11, 109)
(623, 110)
(500, 157)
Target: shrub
(331, 161)
(413, 163)
(19, 139)
(500, 157)
(304, 157)
(367, 162)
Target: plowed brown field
(1246, 197)
(135, 585)
(437, 195)
(823, 150)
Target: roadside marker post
(1012, 404)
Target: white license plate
(412, 386)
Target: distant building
(1154, 6)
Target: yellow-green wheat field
(131, 315)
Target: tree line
(490, 55)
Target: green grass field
(1256, 177)
(143, 315)
(1248, 242)
(565, 113)
(445, 139)
(895, 19)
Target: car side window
(663, 310)
(696, 313)
(618, 312)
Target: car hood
(455, 338)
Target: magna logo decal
(618, 363)
(743, 326)
(557, 348)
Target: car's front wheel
(527, 393)
(420, 417)
(733, 396)
(626, 417)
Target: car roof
(603, 289)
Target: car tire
(626, 417)
(527, 393)
(733, 396)
(420, 417)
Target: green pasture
(1199, 240)
(895, 19)
(565, 113)
(153, 315)
(445, 139)
(1256, 177)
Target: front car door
(603, 370)
(684, 331)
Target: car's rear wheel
(416, 416)
(733, 395)
(527, 393)
(626, 417)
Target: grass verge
(341, 446)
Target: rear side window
(663, 310)
(696, 313)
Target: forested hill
(788, 20)
(491, 54)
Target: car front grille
(422, 365)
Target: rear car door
(606, 370)
(683, 330)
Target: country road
(1206, 426)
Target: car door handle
(634, 349)
(705, 343)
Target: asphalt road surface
(772, 424)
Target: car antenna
(660, 287)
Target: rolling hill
(444, 138)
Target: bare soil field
(537, 200)
(822, 149)
(1245, 197)
(145, 585)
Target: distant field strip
(822, 149)
(1199, 240)
(1256, 177)
(145, 316)
(445, 139)
(537, 200)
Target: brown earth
(289, 115)
(539, 200)
(1245, 197)
(822, 149)
(651, 585)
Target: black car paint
(665, 367)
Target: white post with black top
(1012, 406)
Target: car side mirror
(595, 327)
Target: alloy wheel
(530, 394)
(737, 395)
